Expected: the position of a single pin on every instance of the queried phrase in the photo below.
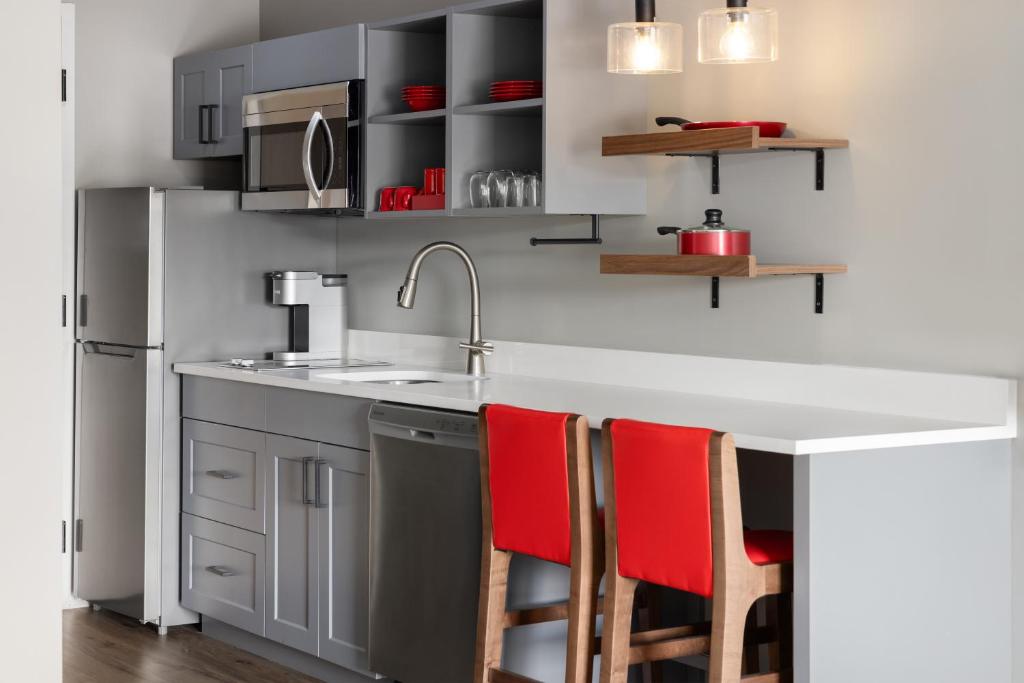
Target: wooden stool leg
(490, 627)
(730, 617)
(618, 618)
(584, 582)
(650, 620)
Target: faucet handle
(485, 348)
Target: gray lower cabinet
(305, 583)
(208, 91)
(292, 539)
(344, 494)
(222, 572)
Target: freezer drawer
(222, 571)
(118, 435)
(224, 472)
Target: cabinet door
(343, 493)
(329, 56)
(228, 80)
(191, 88)
(292, 544)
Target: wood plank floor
(103, 647)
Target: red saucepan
(769, 129)
(713, 238)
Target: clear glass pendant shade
(738, 35)
(645, 48)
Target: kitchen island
(900, 480)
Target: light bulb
(646, 55)
(737, 42)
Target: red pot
(712, 238)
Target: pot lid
(713, 221)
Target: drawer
(340, 420)
(222, 572)
(225, 402)
(224, 474)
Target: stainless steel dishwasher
(424, 543)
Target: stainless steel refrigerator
(162, 276)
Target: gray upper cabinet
(292, 544)
(329, 56)
(208, 91)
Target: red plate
(517, 92)
(516, 89)
(511, 98)
(505, 83)
(423, 87)
(425, 105)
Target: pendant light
(734, 34)
(738, 34)
(646, 46)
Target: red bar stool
(672, 518)
(537, 490)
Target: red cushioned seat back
(663, 504)
(529, 481)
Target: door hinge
(63, 85)
(78, 535)
(63, 536)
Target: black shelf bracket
(595, 236)
(819, 164)
(716, 176)
(819, 292)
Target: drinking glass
(497, 185)
(532, 194)
(479, 193)
(515, 189)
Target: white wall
(925, 207)
(124, 53)
(30, 512)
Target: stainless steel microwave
(303, 149)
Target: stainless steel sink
(397, 377)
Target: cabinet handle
(317, 498)
(220, 571)
(223, 474)
(210, 108)
(306, 500)
(202, 124)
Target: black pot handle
(671, 121)
(668, 230)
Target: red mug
(440, 173)
(430, 181)
(387, 199)
(403, 197)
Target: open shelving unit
(717, 267)
(468, 47)
(714, 142)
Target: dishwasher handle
(461, 439)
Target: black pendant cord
(645, 11)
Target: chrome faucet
(476, 346)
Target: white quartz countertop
(767, 425)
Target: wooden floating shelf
(710, 141)
(717, 267)
(714, 142)
(705, 266)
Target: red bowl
(768, 129)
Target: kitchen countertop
(766, 425)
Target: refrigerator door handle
(98, 349)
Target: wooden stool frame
(586, 568)
(737, 584)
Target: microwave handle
(307, 153)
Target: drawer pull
(223, 474)
(220, 571)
